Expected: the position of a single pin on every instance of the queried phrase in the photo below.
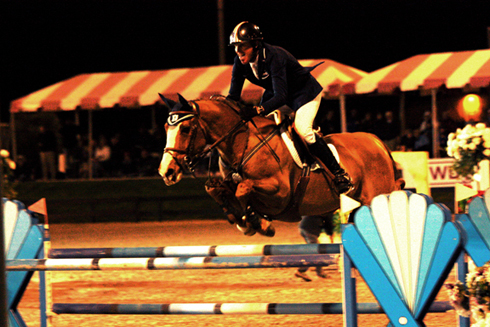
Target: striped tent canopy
(428, 71)
(141, 88)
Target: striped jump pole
(224, 308)
(196, 251)
(279, 261)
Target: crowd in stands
(387, 127)
(65, 154)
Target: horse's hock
(393, 228)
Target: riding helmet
(245, 32)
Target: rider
(286, 82)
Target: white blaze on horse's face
(169, 169)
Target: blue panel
(474, 243)
(17, 280)
(19, 235)
(15, 319)
(375, 278)
(367, 228)
(442, 263)
(479, 214)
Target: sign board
(418, 170)
(441, 173)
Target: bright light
(472, 104)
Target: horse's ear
(183, 101)
(170, 104)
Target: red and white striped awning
(428, 71)
(141, 88)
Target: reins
(191, 162)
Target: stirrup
(342, 181)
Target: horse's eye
(185, 129)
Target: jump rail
(196, 251)
(225, 308)
(278, 261)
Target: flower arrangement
(473, 298)
(469, 146)
(8, 166)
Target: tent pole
(343, 116)
(13, 137)
(221, 32)
(435, 125)
(90, 149)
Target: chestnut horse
(262, 179)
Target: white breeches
(305, 116)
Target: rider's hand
(247, 113)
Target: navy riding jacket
(285, 81)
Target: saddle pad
(286, 137)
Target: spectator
(310, 228)
(117, 155)
(102, 156)
(380, 126)
(147, 165)
(423, 141)
(424, 135)
(143, 139)
(70, 137)
(426, 123)
(353, 122)
(47, 147)
(24, 172)
(392, 129)
(327, 124)
(407, 141)
(128, 166)
(367, 123)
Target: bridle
(191, 161)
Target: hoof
(248, 231)
(266, 228)
(302, 275)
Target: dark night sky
(43, 42)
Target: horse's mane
(237, 107)
(222, 99)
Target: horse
(261, 182)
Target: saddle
(296, 146)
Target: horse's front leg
(252, 221)
(223, 193)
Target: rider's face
(246, 52)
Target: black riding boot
(321, 150)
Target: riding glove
(247, 113)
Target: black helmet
(245, 32)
